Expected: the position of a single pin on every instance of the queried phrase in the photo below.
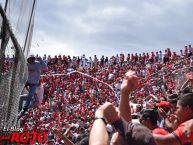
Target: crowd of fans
(74, 87)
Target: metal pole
(5, 8)
(29, 25)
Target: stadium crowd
(75, 87)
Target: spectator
(40, 92)
(149, 118)
(189, 50)
(67, 97)
(108, 113)
(34, 71)
(183, 113)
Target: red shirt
(178, 133)
(160, 131)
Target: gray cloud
(110, 27)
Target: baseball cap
(163, 104)
(172, 98)
(31, 56)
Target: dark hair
(186, 100)
(150, 114)
(83, 140)
(173, 98)
(139, 135)
(186, 90)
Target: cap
(163, 104)
(31, 56)
(172, 98)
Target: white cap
(31, 55)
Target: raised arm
(42, 63)
(107, 113)
(130, 83)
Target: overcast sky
(110, 27)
